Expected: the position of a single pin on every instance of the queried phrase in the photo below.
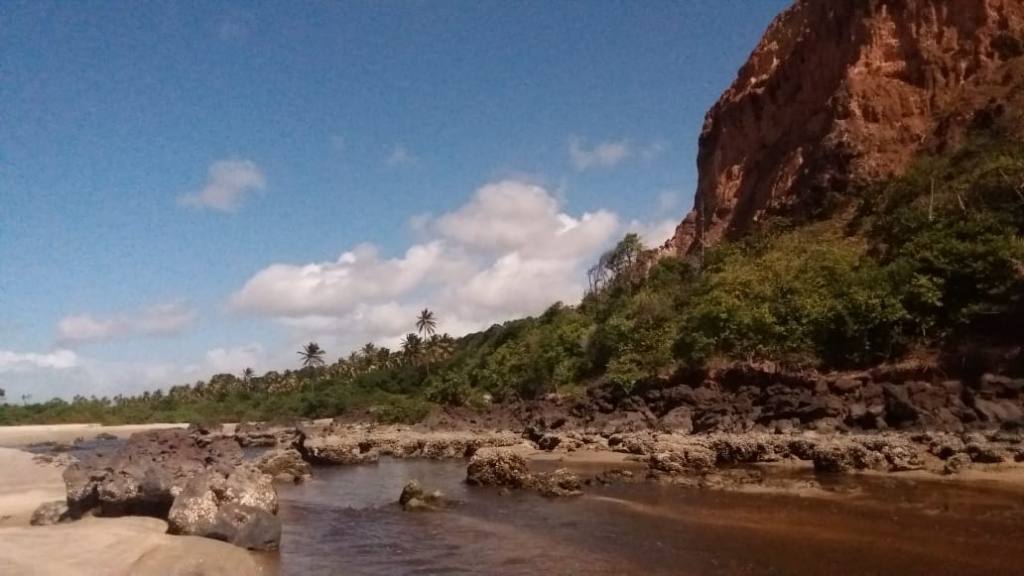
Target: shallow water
(345, 521)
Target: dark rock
(956, 464)
(985, 453)
(105, 437)
(899, 410)
(246, 526)
(549, 442)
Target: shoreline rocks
(189, 479)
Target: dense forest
(929, 261)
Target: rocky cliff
(839, 92)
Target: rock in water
(284, 465)
(238, 509)
(50, 513)
(414, 497)
(498, 468)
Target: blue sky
(192, 187)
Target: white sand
(11, 436)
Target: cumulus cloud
(158, 320)
(601, 155)
(228, 183)
(509, 250)
(60, 359)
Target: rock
(682, 459)
(143, 475)
(558, 484)
(246, 526)
(985, 453)
(956, 464)
(284, 464)
(498, 468)
(105, 437)
(238, 509)
(846, 456)
(613, 476)
(50, 513)
(549, 442)
(679, 420)
(341, 453)
(837, 93)
(415, 498)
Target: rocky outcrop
(356, 444)
(841, 92)
(509, 470)
(767, 398)
(187, 478)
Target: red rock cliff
(840, 91)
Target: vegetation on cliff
(929, 260)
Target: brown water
(345, 521)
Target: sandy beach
(108, 546)
(14, 436)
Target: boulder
(143, 476)
(238, 508)
(415, 498)
(549, 442)
(284, 465)
(50, 513)
(498, 468)
(558, 484)
(956, 463)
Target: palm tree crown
(426, 323)
(312, 355)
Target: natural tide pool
(345, 521)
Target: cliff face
(840, 91)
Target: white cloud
(668, 200)
(228, 182)
(60, 359)
(401, 156)
(509, 251)
(601, 155)
(233, 360)
(654, 150)
(158, 320)
(654, 234)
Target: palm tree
(247, 375)
(312, 355)
(412, 346)
(426, 323)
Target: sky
(189, 188)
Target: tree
(247, 375)
(312, 355)
(412, 346)
(426, 323)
